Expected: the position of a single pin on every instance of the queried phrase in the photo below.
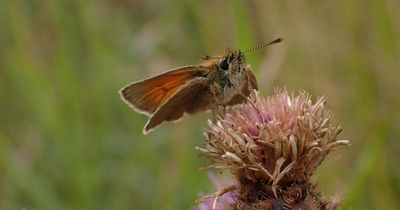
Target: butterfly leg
(216, 109)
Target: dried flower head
(272, 146)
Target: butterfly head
(232, 62)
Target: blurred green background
(67, 141)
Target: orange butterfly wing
(148, 95)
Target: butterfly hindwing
(190, 98)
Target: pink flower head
(273, 145)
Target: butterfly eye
(223, 64)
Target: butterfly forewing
(148, 95)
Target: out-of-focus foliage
(67, 141)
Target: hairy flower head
(274, 143)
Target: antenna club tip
(276, 40)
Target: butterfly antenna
(265, 45)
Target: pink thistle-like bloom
(272, 146)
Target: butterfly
(218, 81)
